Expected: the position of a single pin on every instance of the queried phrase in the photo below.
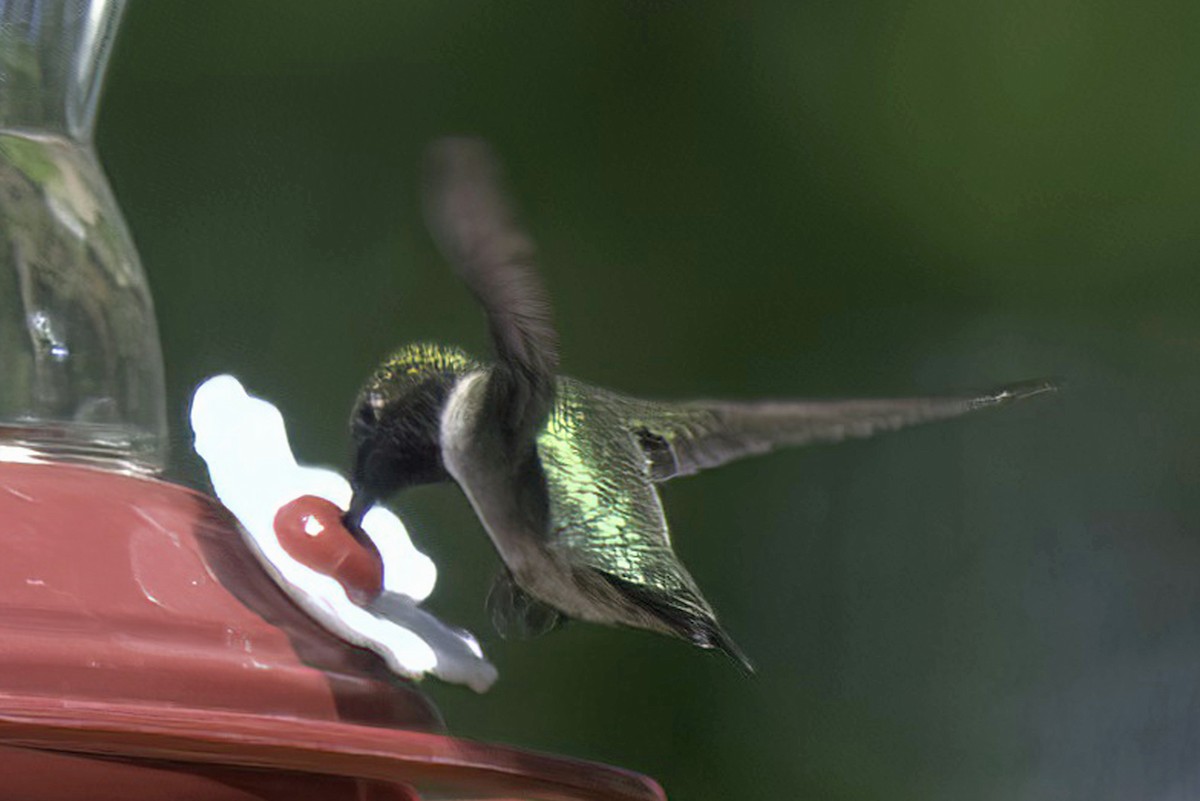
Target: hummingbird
(563, 475)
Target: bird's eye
(363, 422)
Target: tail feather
(686, 614)
(711, 635)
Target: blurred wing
(473, 224)
(681, 439)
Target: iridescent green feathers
(412, 364)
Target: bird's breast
(472, 456)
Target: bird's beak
(362, 498)
(360, 502)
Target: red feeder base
(145, 654)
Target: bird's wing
(679, 439)
(474, 225)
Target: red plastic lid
(136, 625)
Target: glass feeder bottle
(81, 375)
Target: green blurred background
(742, 200)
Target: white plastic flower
(244, 443)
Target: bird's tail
(711, 635)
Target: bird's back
(604, 511)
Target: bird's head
(396, 420)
